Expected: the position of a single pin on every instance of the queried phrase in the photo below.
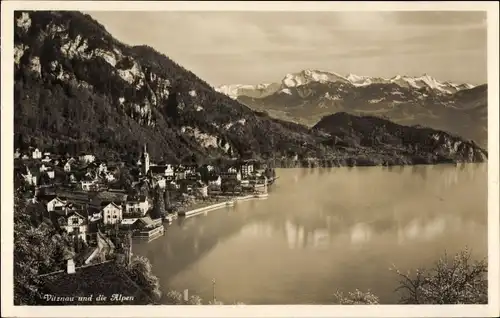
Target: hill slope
(76, 86)
(411, 144)
(79, 89)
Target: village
(102, 206)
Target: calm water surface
(326, 229)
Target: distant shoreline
(350, 162)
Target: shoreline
(219, 205)
(370, 162)
(312, 166)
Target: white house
(51, 173)
(46, 159)
(139, 206)
(67, 167)
(215, 182)
(55, 203)
(87, 158)
(29, 177)
(180, 175)
(88, 185)
(112, 213)
(102, 168)
(247, 169)
(161, 182)
(110, 177)
(163, 170)
(76, 224)
(36, 154)
(43, 168)
(169, 171)
(231, 174)
(190, 171)
(129, 222)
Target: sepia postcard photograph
(250, 159)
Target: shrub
(455, 281)
(356, 298)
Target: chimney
(71, 266)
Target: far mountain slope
(420, 144)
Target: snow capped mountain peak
(308, 76)
(235, 90)
(356, 78)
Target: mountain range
(306, 96)
(78, 89)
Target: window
(114, 216)
(74, 221)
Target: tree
(36, 251)
(173, 297)
(456, 281)
(159, 205)
(194, 300)
(140, 271)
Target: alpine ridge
(305, 97)
(305, 77)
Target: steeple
(145, 160)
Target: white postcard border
(492, 309)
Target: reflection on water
(323, 230)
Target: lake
(323, 230)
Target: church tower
(145, 161)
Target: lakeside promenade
(227, 203)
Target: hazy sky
(261, 47)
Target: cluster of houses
(83, 218)
(87, 198)
(41, 169)
(201, 180)
(91, 199)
